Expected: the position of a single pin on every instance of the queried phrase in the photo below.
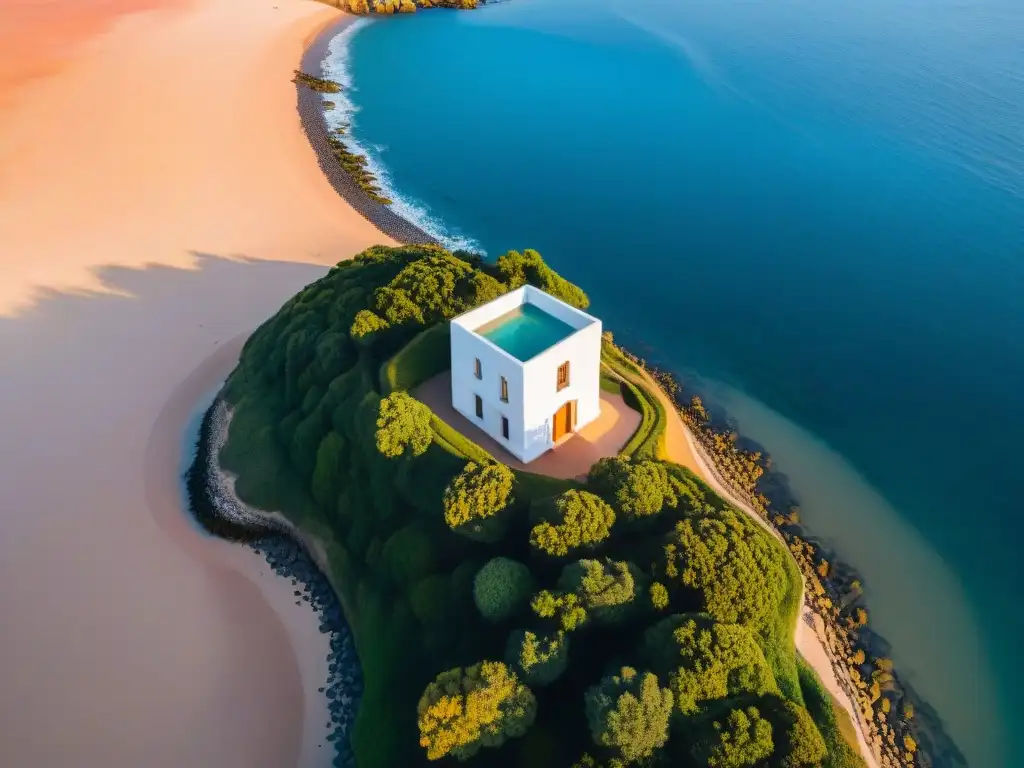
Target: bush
(738, 569)
(566, 609)
(475, 497)
(628, 715)
(581, 520)
(408, 555)
(659, 596)
(517, 269)
(705, 660)
(403, 426)
(539, 659)
(605, 588)
(638, 489)
(502, 588)
(481, 706)
(743, 738)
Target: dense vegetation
(399, 6)
(502, 618)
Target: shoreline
(215, 505)
(314, 125)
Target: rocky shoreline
(901, 728)
(314, 125)
(218, 510)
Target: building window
(563, 376)
(479, 407)
(504, 427)
(504, 390)
(478, 369)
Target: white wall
(494, 363)
(582, 350)
(533, 386)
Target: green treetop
(501, 588)
(580, 519)
(629, 714)
(705, 660)
(528, 267)
(403, 426)
(605, 588)
(638, 489)
(736, 567)
(540, 659)
(481, 706)
(743, 738)
(475, 496)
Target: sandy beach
(158, 200)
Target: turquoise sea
(814, 208)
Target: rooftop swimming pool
(525, 332)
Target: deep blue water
(818, 208)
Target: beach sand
(158, 201)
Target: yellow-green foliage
(566, 609)
(659, 596)
(403, 426)
(581, 519)
(606, 588)
(736, 567)
(705, 660)
(540, 659)
(502, 588)
(638, 489)
(743, 738)
(481, 706)
(318, 84)
(475, 497)
(528, 267)
(629, 714)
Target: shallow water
(820, 205)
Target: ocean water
(816, 210)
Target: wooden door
(563, 421)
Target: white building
(526, 369)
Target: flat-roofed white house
(526, 369)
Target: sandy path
(158, 200)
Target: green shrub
(502, 588)
(408, 555)
(638, 489)
(581, 519)
(705, 660)
(517, 269)
(538, 659)
(743, 738)
(329, 472)
(659, 596)
(629, 714)
(606, 589)
(464, 710)
(474, 498)
(566, 609)
(367, 327)
(736, 567)
(403, 426)
(429, 601)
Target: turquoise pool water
(525, 332)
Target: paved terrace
(570, 458)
